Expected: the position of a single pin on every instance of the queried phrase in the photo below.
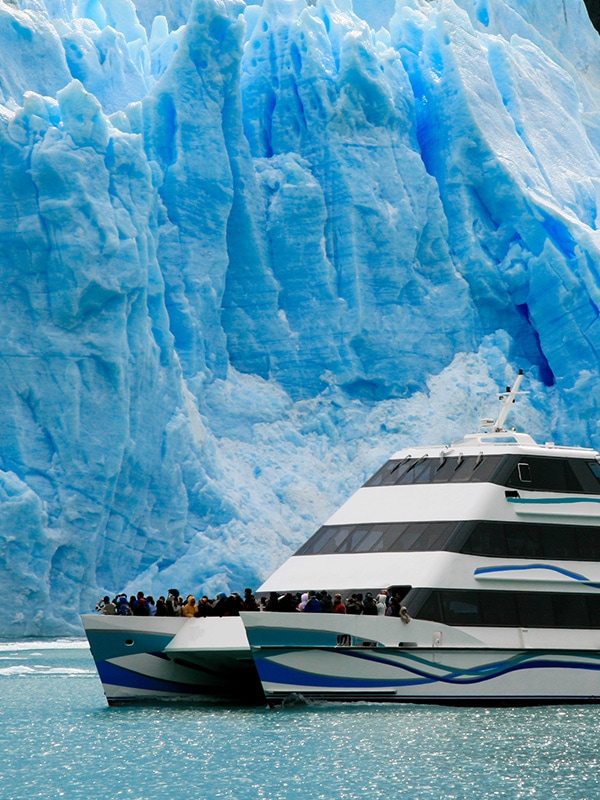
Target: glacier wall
(247, 251)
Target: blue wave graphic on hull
(524, 567)
(120, 676)
(281, 674)
(574, 576)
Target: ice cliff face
(248, 251)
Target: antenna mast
(507, 399)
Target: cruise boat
(491, 549)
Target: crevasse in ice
(248, 251)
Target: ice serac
(507, 115)
(93, 413)
(318, 84)
(249, 250)
(184, 127)
(31, 57)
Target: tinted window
(498, 608)
(505, 609)
(372, 542)
(536, 473)
(568, 608)
(523, 541)
(535, 610)
(545, 474)
(454, 469)
(459, 608)
(397, 537)
(480, 538)
(561, 542)
(593, 605)
(429, 608)
(530, 540)
(486, 538)
(587, 541)
(595, 469)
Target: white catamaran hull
(468, 677)
(324, 657)
(147, 658)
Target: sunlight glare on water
(59, 739)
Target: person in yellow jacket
(189, 607)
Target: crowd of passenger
(230, 605)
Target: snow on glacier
(250, 250)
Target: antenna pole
(507, 399)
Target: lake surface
(59, 739)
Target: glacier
(249, 250)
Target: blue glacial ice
(248, 251)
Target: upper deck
(496, 443)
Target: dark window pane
(498, 608)
(595, 470)
(388, 474)
(392, 538)
(588, 542)
(554, 474)
(523, 541)
(547, 474)
(572, 483)
(593, 607)
(435, 536)
(412, 532)
(486, 539)
(445, 470)
(354, 539)
(489, 469)
(559, 541)
(410, 473)
(535, 610)
(463, 469)
(430, 609)
(372, 542)
(460, 608)
(570, 611)
(339, 541)
(425, 472)
(316, 542)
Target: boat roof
(496, 443)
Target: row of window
(395, 537)
(529, 540)
(478, 538)
(537, 473)
(505, 609)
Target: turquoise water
(59, 739)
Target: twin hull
(492, 516)
(335, 657)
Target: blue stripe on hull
(483, 672)
(119, 676)
(290, 679)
